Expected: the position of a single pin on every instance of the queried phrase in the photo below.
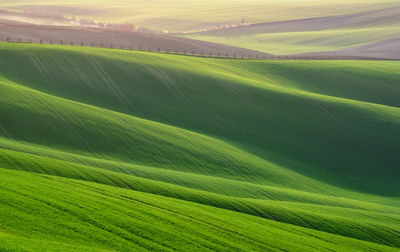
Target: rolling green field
(325, 33)
(180, 15)
(106, 149)
(302, 41)
(362, 28)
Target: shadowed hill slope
(253, 105)
(310, 144)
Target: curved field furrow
(122, 150)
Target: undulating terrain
(351, 28)
(373, 33)
(107, 149)
(185, 16)
(99, 37)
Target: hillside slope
(180, 15)
(389, 49)
(310, 146)
(112, 38)
(95, 217)
(317, 34)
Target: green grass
(93, 217)
(114, 150)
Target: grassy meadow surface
(105, 149)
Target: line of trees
(228, 26)
(52, 17)
(215, 28)
(128, 26)
(115, 26)
(158, 49)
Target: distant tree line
(114, 26)
(158, 49)
(216, 27)
(227, 26)
(82, 21)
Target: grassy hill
(179, 15)
(317, 34)
(388, 49)
(106, 149)
(361, 28)
(76, 216)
